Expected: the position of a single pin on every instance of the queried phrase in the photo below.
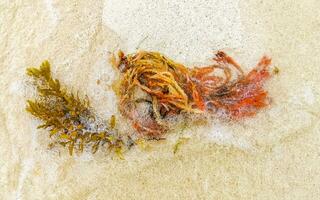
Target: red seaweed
(169, 89)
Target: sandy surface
(275, 155)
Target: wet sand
(275, 155)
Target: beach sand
(274, 155)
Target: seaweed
(70, 120)
(154, 90)
(276, 70)
(180, 141)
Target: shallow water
(274, 155)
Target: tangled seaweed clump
(153, 89)
(70, 120)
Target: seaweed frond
(178, 144)
(70, 119)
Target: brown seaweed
(70, 119)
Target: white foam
(53, 13)
(303, 95)
(17, 88)
(309, 95)
(223, 135)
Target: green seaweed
(178, 144)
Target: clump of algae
(164, 89)
(70, 119)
